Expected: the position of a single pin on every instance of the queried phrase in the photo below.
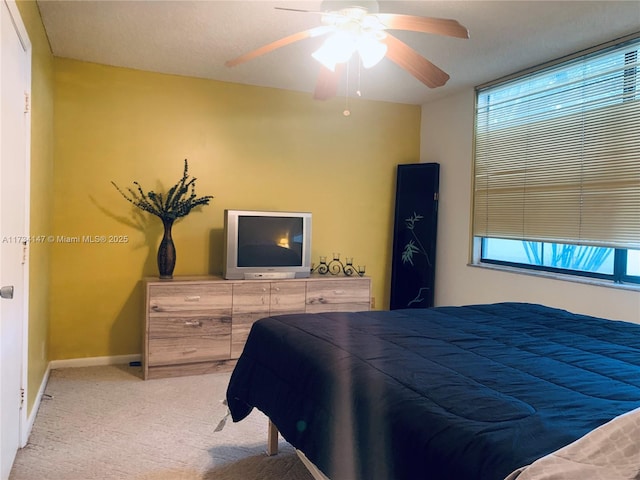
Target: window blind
(557, 152)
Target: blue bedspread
(469, 392)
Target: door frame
(23, 36)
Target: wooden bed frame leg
(272, 439)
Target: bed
(472, 392)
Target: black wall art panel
(414, 237)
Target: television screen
(269, 241)
(266, 244)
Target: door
(14, 127)
(414, 238)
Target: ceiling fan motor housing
(370, 6)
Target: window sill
(558, 276)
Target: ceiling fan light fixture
(338, 48)
(371, 50)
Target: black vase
(166, 251)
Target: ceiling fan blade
(313, 32)
(294, 10)
(327, 85)
(439, 26)
(414, 63)
(315, 12)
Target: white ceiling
(195, 38)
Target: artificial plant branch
(178, 202)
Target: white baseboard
(26, 432)
(94, 361)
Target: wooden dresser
(196, 325)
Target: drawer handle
(338, 292)
(192, 298)
(189, 350)
(194, 323)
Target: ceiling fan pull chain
(346, 112)
(358, 91)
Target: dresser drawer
(240, 329)
(288, 297)
(331, 292)
(191, 325)
(178, 350)
(189, 298)
(251, 297)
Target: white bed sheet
(610, 452)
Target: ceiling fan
(357, 26)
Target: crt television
(263, 245)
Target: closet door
(414, 236)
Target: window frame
(620, 260)
(619, 275)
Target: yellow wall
(41, 192)
(250, 147)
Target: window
(557, 166)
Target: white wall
(447, 138)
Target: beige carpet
(107, 423)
